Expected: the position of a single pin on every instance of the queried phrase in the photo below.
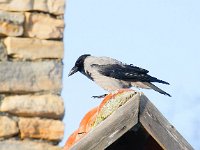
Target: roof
(137, 124)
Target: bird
(111, 74)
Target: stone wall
(31, 53)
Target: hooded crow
(111, 74)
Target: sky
(161, 36)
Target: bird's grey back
(101, 60)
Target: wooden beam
(159, 128)
(108, 131)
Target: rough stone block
(8, 127)
(49, 106)
(11, 23)
(3, 53)
(47, 129)
(52, 6)
(28, 77)
(30, 48)
(56, 6)
(26, 145)
(43, 26)
(14, 17)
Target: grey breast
(105, 82)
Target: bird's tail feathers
(157, 89)
(158, 80)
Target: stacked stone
(31, 53)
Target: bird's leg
(100, 96)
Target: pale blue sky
(162, 36)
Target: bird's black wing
(123, 72)
(126, 72)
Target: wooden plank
(159, 128)
(108, 131)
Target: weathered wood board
(112, 128)
(159, 128)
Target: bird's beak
(73, 70)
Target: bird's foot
(100, 96)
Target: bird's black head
(78, 64)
